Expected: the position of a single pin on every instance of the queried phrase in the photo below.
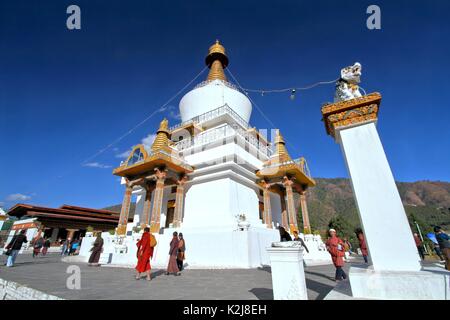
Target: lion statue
(347, 86)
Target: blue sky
(64, 95)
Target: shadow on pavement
(265, 268)
(320, 275)
(320, 288)
(262, 293)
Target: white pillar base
(288, 275)
(318, 254)
(431, 284)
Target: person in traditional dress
(284, 235)
(144, 253)
(13, 248)
(419, 246)
(173, 252)
(65, 247)
(363, 246)
(46, 246)
(96, 251)
(181, 250)
(335, 247)
(38, 243)
(444, 244)
(297, 238)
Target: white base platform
(318, 254)
(211, 249)
(429, 284)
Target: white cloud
(17, 197)
(96, 165)
(123, 155)
(148, 141)
(174, 115)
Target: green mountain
(426, 202)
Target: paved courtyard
(48, 274)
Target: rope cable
(259, 109)
(290, 88)
(160, 109)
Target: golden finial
(162, 136)
(280, 148)
(164, 125)
(216, 60)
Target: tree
(342, 226)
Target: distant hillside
(117, 207)
(427, 202)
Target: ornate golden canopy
(162, 155)
(281, 165)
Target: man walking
(65, 247)
(444, 244)
(14, 247)
(335, 247)
(363, 245)
(419, 246)
(297, 238)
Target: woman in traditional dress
(144, 253)
(335, 247)
(38, 243)
(47, 245)
(96, 249)
(181, 250)
(173, 252)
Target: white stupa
(200, 178)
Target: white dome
(212, 96)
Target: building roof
(66, 213)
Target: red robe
(144, 253)
(336, 254)
(173, 252)
(363, 245)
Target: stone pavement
(48, 274)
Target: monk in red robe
(335, 247)
(144, 253)
(173, 253)
(363, 246)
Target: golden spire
(280, 148)
(216, 60)
(162, 136)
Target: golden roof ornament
(280, 148)
(217, 61)
(162, 136)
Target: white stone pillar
(384, 222)
(288, 275)
(386, 228)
